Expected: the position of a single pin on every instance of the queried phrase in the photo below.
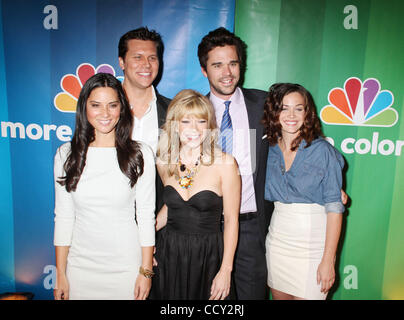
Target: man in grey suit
(222, 58)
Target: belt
(247, 216)
(244, 216)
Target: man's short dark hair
(221, 37)
(142, 33)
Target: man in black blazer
(140, 57)
(222, 58)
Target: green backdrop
(321, 44)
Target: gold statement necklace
(187, 174)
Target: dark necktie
(226, 130)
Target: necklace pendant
(185, 182)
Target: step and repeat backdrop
(348, 53)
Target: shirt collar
(303, 143)
(152, 101)
(218, 103)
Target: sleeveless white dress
(99, 223)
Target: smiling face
(103, 111)
(192, 131)
(141, 63)
(223, 71)
(293, 114)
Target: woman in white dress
(104, 201)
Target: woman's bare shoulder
(224, 164)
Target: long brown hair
(129, 155)
(311, 128)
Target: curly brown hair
(311, 128)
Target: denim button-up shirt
(315, 176)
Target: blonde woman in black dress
(202, 184)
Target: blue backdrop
(39, 45)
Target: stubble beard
(227, 91)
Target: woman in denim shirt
(304, 179)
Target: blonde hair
(187, 103)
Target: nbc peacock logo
(71, 85)
(360, 104)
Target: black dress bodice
(200, 214)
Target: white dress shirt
(146, 129)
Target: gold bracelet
(146, 272)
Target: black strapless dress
(189, 249)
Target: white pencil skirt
(294, 249)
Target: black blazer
(255, 100)
(162, 106)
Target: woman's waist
(299, 208)
(194, 221)
(104, 219)
(193, 227)
(102, 233)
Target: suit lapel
(161, 110)
(255, 114)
